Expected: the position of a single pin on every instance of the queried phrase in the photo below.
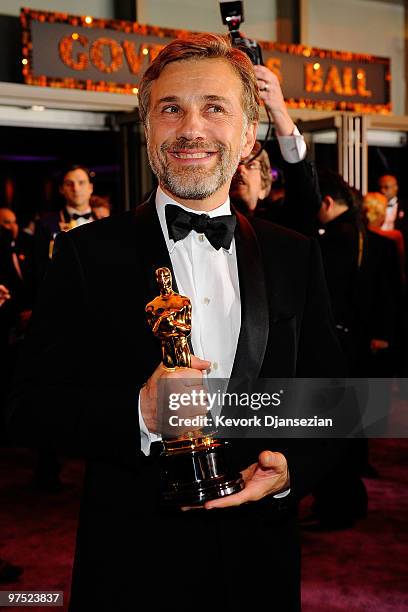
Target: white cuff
(283, 494)
(293, 148)
(146, 436)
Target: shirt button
(214, 366)
(206, 301)
(201, 237)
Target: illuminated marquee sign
(83, 52)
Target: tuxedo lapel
(254, 331)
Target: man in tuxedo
(396, 213)
(260, 309)
(76, 188)
(396, 217)
(15, 274)
(8, 571)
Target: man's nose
(192, 125)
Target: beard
(193, 182)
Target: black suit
(401, 222)
(45, 229)
(386, 302)
(104, 272)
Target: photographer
(252, 182)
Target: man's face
(388, 186)
(246, 184)
(196, 131)
(76, 189)
(9, 221)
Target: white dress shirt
(210, 279)
(293, 148)
(390, 214)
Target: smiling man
(259, 308)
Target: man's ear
(250, 139)
(328, 203)
(326, 209)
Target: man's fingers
(268, 460)
(262, 478)
(261, 70)
(199, 364)
(265, 74)
(187, 508)
(236, 499)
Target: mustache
(237, 179)
(196, 145)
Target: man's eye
(170, 109)
(214, 108)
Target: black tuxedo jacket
(86, 357)
(45, 229)
(401, 222)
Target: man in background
(396, 213)
(252, 182)
(76, 187)
(16, 269)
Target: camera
(232, 14)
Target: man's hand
(271, 93)
(4, 294)
(149, 394)
(267, 477)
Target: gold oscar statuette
(193, 463)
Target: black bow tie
(218, 230)
(75, 216)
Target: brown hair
(72, 168)
(203, 46)
(266, 172)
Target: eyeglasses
(251, 165)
